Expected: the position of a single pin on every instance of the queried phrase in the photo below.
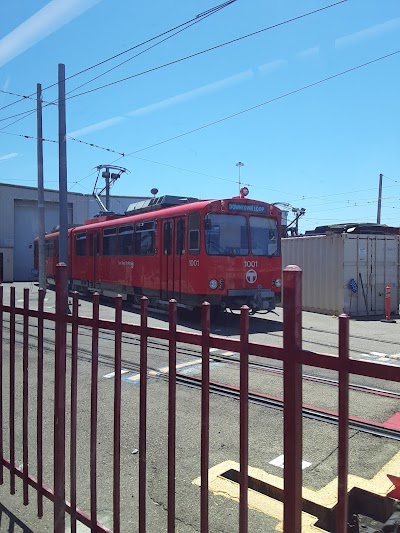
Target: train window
(125, 240)
(145, 238)
(167, 243)
(226, 235)
(110, 241)
(180, 237)
(80, 243)
(194, 234)
(49, 248)
(264, 236)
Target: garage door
(26, 230)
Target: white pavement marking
(279, 461)
(112, 374)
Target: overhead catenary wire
(295, 91)
(179, 60)
(195, 19)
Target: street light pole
(378, 216)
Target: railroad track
(107, 360)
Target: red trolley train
(226, 252)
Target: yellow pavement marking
(395, 356)
(136, 377)
(165, 369)
(325, 497)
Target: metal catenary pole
(62, 167)
(41, 223)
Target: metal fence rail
(292, 355)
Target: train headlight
(277, 282)
(213, 284)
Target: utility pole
(62, 167)
(41, 224)
(378, 216)
(239, 164)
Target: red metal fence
(66, 329)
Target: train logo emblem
(251, 276)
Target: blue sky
(321, 148)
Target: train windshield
(264, 236)
(226, 235)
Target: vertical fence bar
(244, 419)
(172, 416)
(343, 452)
(59, 396)
(74, 407)
(205, 415)
(293, 402)
(117, 416)
(143, 416)
(39, 408)
(93, 414)
(12, 390)
(25, 391)
(1, 387)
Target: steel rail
(320, 415)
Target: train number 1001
(251, 264)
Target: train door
(173, 271)
(93, 256)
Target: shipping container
(344, 273)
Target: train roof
(170, 206)
(161, 202)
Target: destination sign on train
(247, 208)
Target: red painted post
(387, 302)
(39, 409)
(74, 409)
(343, 452)
(93, 413)
(172, 417)
(25, 392)
(59, 396)
(244, 420)
(293, 402)
(12, 391)
(1, 387)
(143, 416)
(205, 415)
(117, 416)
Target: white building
(19, 223)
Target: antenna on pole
(239, 164)
(110, 177)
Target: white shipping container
(344, 273)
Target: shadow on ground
(9, 522)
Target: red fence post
(1, 387)
(74, 409)
(244, 420)
(172, 416)
(12, 391)
(144, 303)
(93, 411)
(59, 396)
(205, 415)
(343, 452)
(293, 402)
(25, 391)
(117, 416)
